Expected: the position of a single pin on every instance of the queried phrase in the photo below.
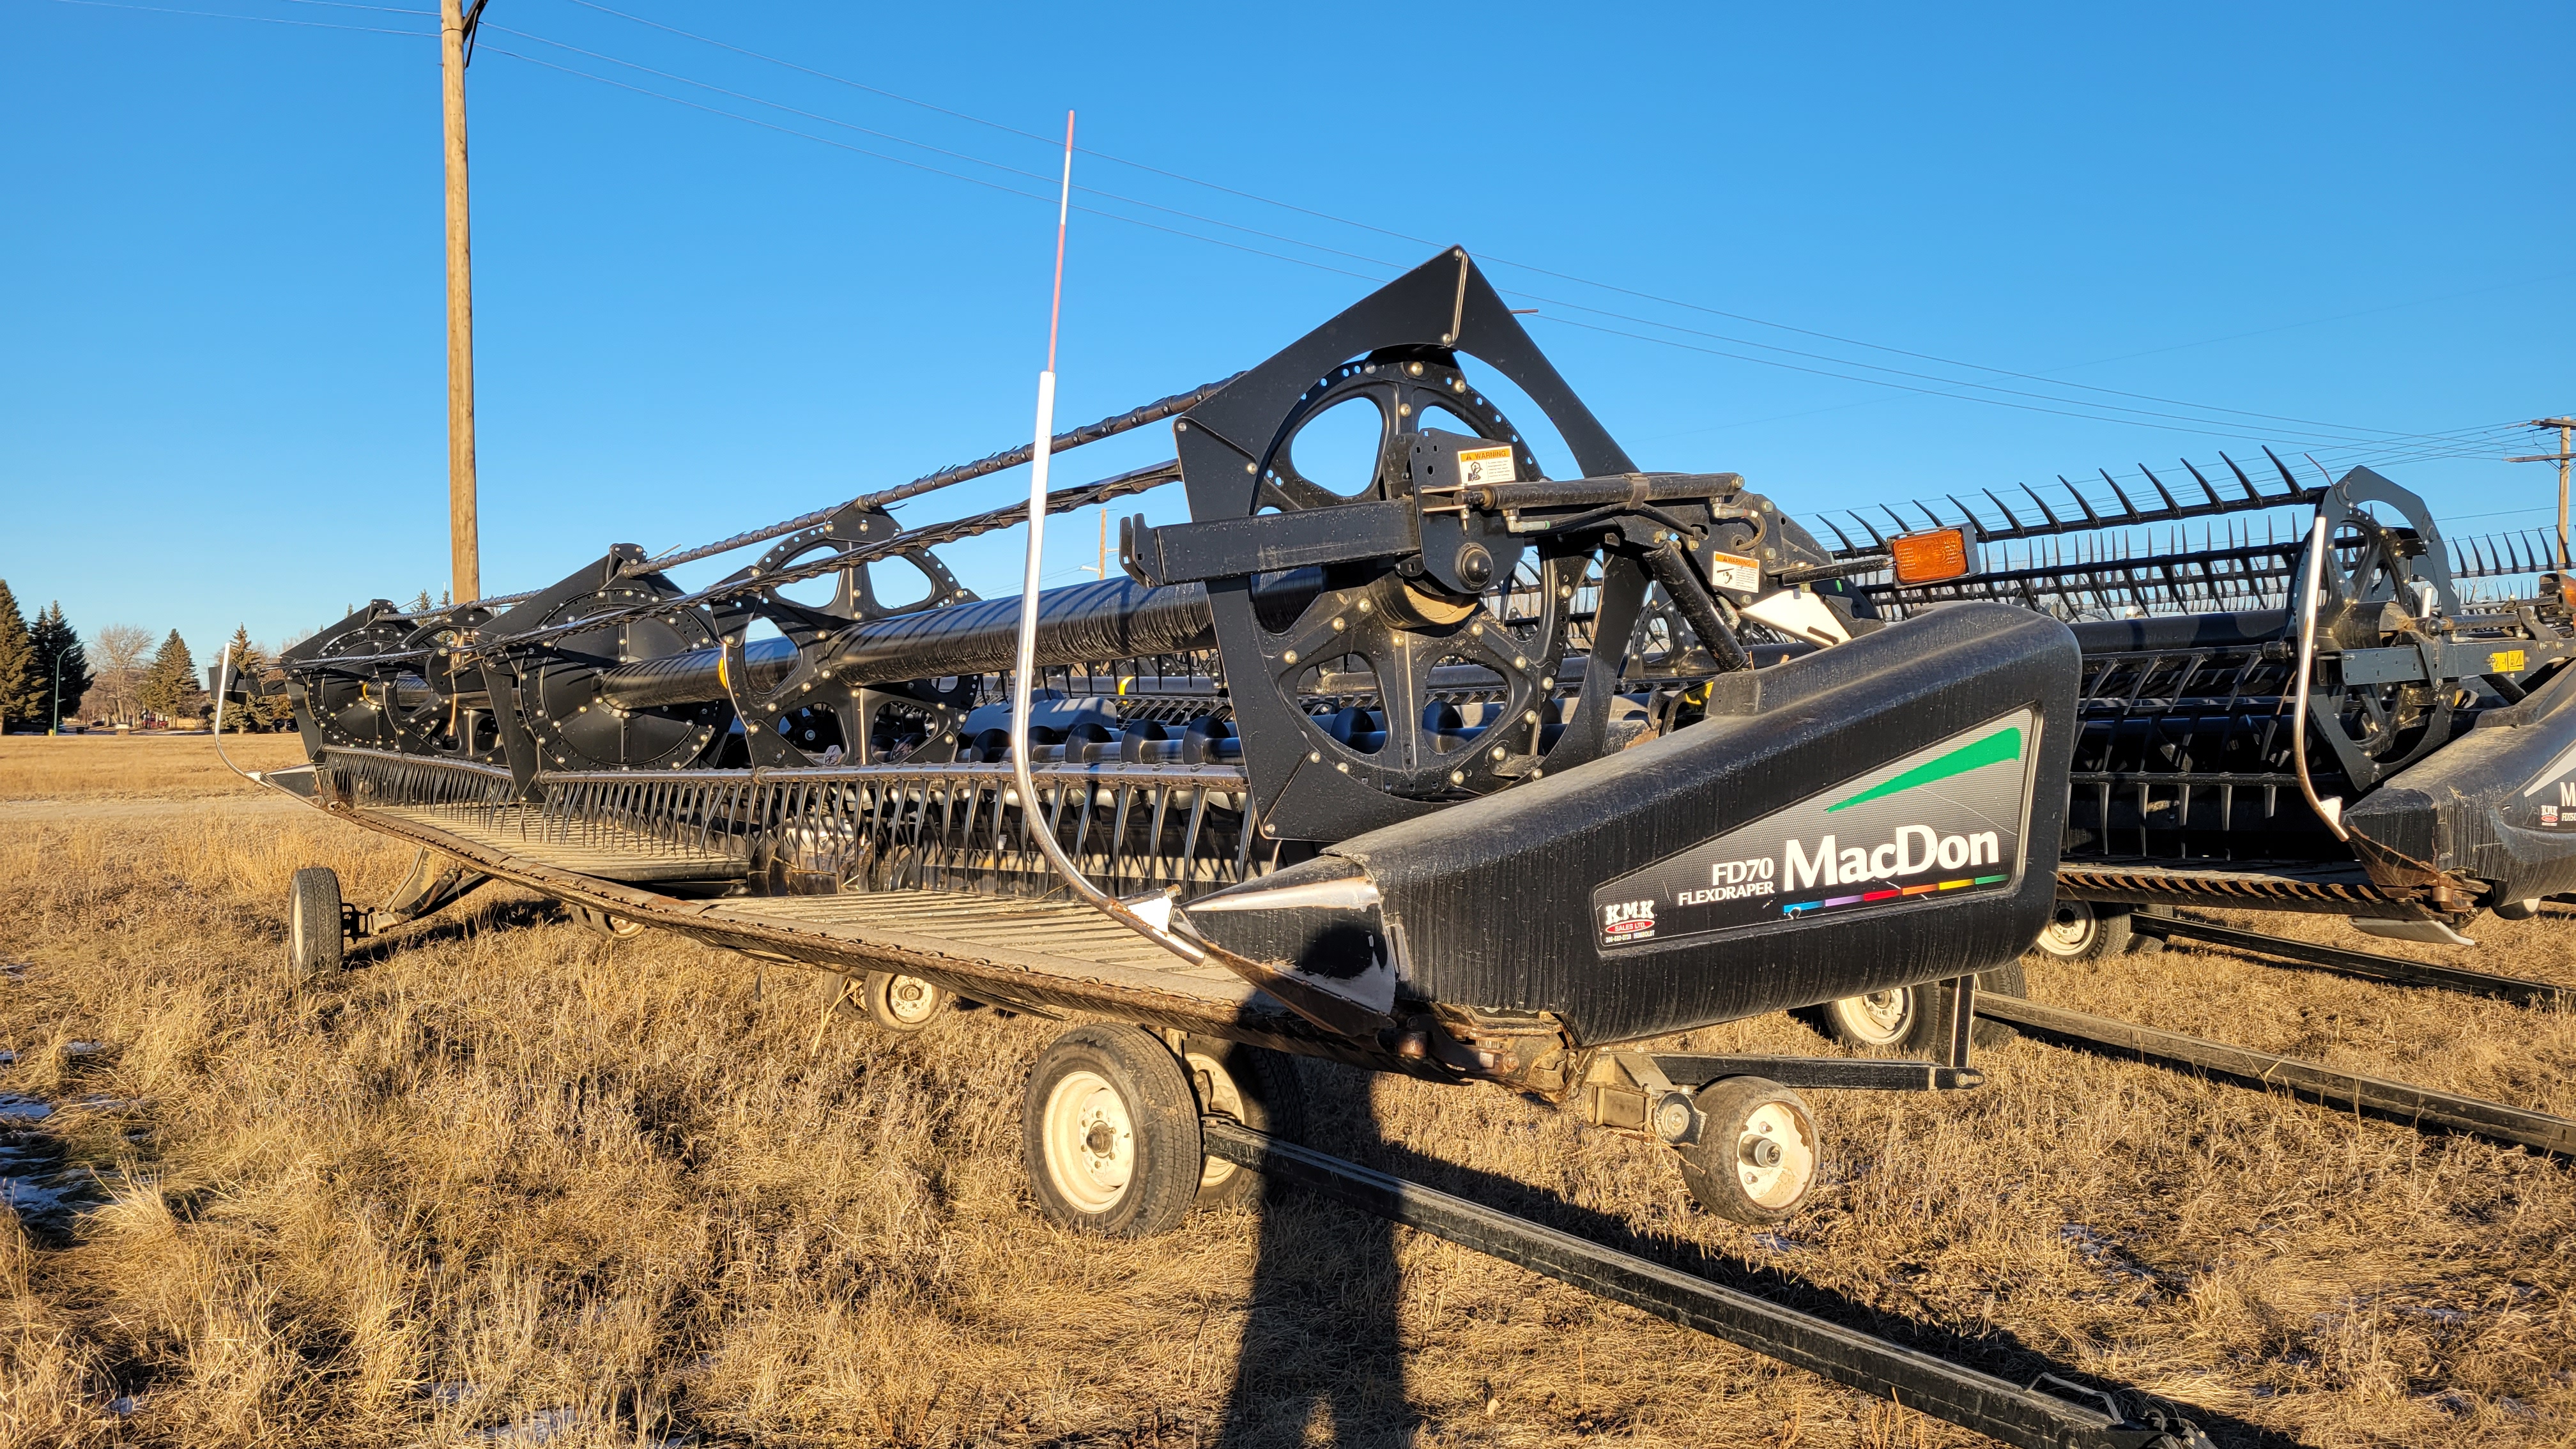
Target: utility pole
(456, 21)
(2566, 427)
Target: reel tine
(2287, 481)
(2197, 477)
(2250, 490)
(2009, 519)
(2080, 500)
(2161, 491)
(2129, 509)
(2054, 523)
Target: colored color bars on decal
(1871, 897)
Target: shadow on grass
(452, 924)
(1323, 1351)
(1322, 1332)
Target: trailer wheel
(1756, 1156)
(1110, 1133)
(895, 1002)
(1912, 1020)
(1254, 1086)
(2084, 931)
(315, 945)
(1873, 1022)
(603, 923)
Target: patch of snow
(122, 1406)
(24, 1109)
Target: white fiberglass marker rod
(1152, 918)
(2329, 808)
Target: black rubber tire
(1912, 1021)
(316, 949)
(1131, 1172)
(605, 924)
(1725, 1177)
(1256, 1087)
(2083, 931)
(891, 1001)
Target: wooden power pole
(2566, 427)
(456, 20)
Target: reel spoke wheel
(1109, 1131)
(560, 705)
(316, 940)
(1757, 1153)
(1254, 1086)
(1387, 645)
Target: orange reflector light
(1929, 558)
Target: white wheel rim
(1879, 1018)
(2069, 930)
(1090, 1141)
(1217, 1093)
(910, 1000)
(1784, 1180)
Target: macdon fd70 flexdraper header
(1442, 767)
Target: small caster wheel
(1911, 1020)
(604, 923)
(2091, 930)
(1110, 1133)
(897, 1003)
(1256, 1087)
(316, 930)
(1757, 1151)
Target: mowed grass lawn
(506, 1182)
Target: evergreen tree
(170, 680)
(21, 700)
(62, 665)
(254, 710)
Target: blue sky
(222, 390)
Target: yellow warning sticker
(1486, 465)
(2507, 661)
(1735, 571)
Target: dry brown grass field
(509, 1183)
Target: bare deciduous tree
(118, 654)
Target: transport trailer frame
(1444, 768)
(1648, 1095)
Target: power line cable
(1497, 259)
(254, 19)
(2078, 408)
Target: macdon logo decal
(1942, 822)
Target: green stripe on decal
(2004, 744)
